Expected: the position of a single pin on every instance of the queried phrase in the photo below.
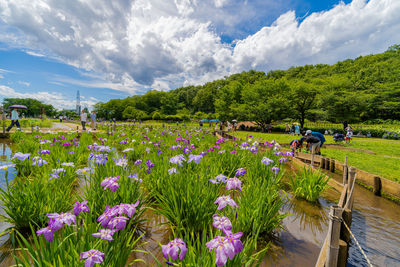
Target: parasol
(18, 106)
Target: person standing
(83, 120)
(93, 120)
(14, 120)
(297, 129)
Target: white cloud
(35, 54)
(342, 32)
(58, 100)
(24, 83)
(5, 71)
(138, 45)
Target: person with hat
(313, 143)
(14, 120)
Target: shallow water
(375, 225)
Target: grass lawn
(377, 156)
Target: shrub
(309, 184)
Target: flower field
(81, 200)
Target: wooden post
(312, 155)
(332, 165)
(335, 216)
(327, 163)
(352, 174)
(345, 171)
(347, 218)
(350, 192)
(377, 186)
(322, 163)
(342, 257)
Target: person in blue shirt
(93, 120)
(14, 120)
(319, 135)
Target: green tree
(264, 102)
(302, 99)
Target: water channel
(376, 225)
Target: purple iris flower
(253, 149)
(136, 177)
(234, 183)
(21, 156)
(55, 174)
(172, 170)
(65, 218)
(84, 170)
(80, 207)
(235, 240)
(128, 209)
(48, 233)
(68, 164)
(225, 200)
(277, 153)
(222, 223)
(195, 158)
(267, 144)
(106, 217)
(187, 150)
(93, 146)
(111, 183)
(244, 144)
(289, 154)
(203, 153)
(38, 161)
(117, 223)
(275, 170)
(137, 162)
(92, 256)
(223, 249)
(103, 149)
(127, 149)
(282, 160)
(172, 249)
(220, 178)
(148, 150)
(121, 162)
(149, 164)
(233, 152)
(43, 152)
(66, 144)
(105, 234)
(266, 161)
(240, 172)
(177, 159)
(101, 159)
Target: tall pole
(4, 119)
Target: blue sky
(50, 49)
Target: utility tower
(78, 103)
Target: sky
(50, 49)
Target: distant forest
(366, 88)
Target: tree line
(362, 89)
